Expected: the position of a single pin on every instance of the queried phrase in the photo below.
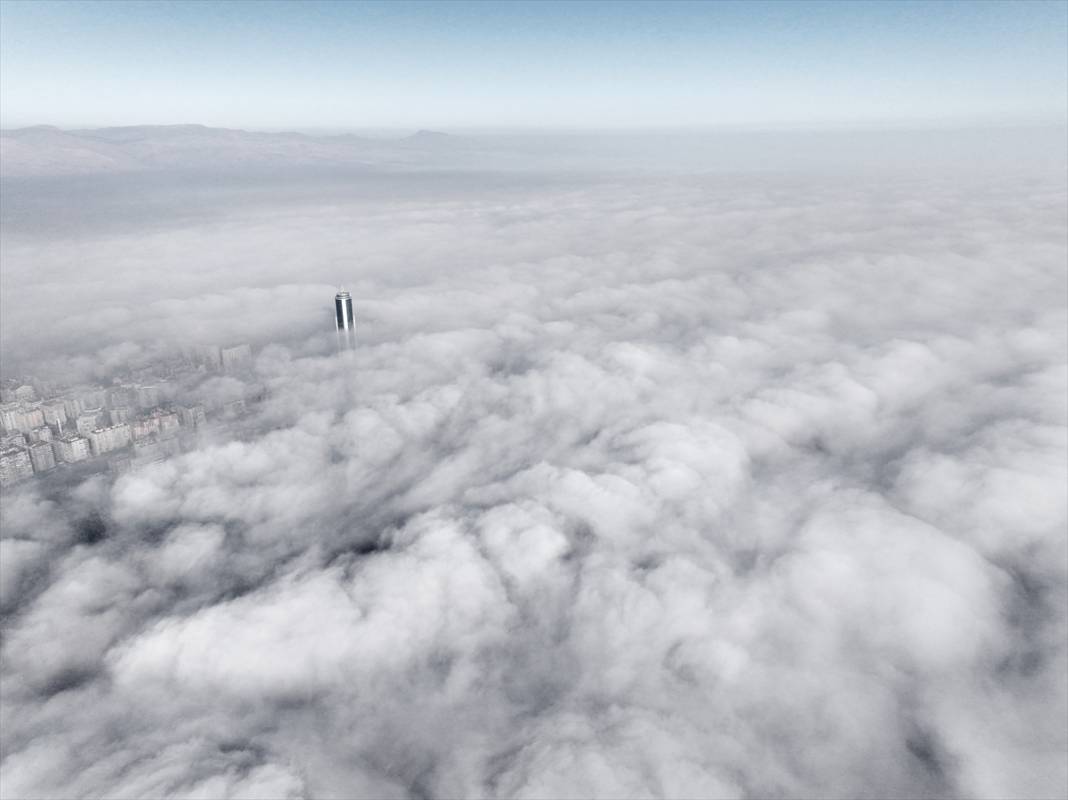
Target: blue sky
(598, 65)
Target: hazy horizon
(49, 150)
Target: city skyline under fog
(715, 464)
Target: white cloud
(634, 487)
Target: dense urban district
(141, 416)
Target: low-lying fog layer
(708, 486)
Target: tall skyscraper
(346, 328)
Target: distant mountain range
(45, 150)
